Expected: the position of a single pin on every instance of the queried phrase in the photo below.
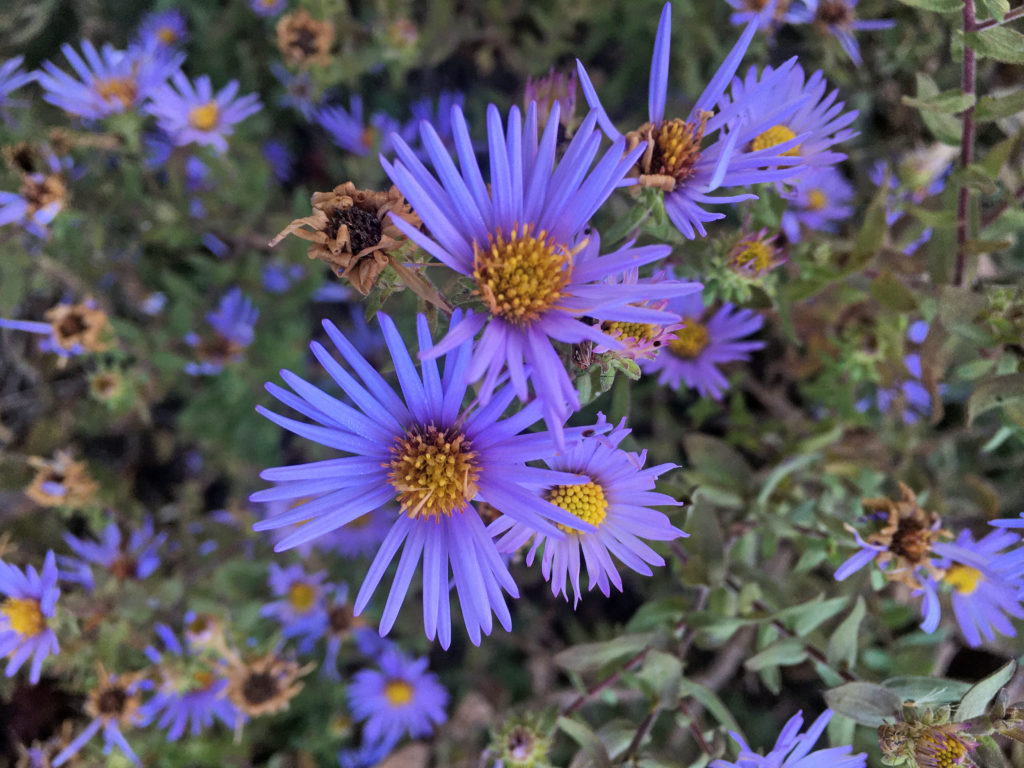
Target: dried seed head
(304, 40)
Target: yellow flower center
(677, 147)
(690, 340)
(166, 35)
(638, 331)
(301, 596)
(204, 117)
(123, 89)
(756, 255)
(433, 471)
(940, 750)
(521, 278)
(963, 578)
(25, 616)
(777, 134)
(586, 501)
(398, 692)
(816, 200)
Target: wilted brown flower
(351, 231)
(115, 698)
(80, 324)
(908, 536)
(61, 482)
(265, 685)
(304, 40)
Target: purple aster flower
(280, 158)
(837, 18)
(440, 117)
(524, 242)
(113, 704)
(111, 80)
(342, 624)
(793, 750)
(1012, 522)
(703, 343)
(195, 114)
(301, 609)
(24, 629)
(401, 698)
(135, 558)
(920, 175)
(675, 160)
(162, 30)
(41, 197)
(819, 118)
(616, 500)
(278, 278)
(233, 326)
(818, 200)
(349, 131)
(299, 90)
(367, 755)
(12, 77)
(72, 329)
(431, 457)
(553, 87)
(267, 8)
(910, 394)
(984, 588)
(767, 14)
(190, 692)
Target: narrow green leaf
(945, 103)
(998, 107)
(926, 690)
(717, 461)
(587, 739)
(782, 653)
(815, 613)
(989, 246)
(587, 657)
(998, 43)
(872, 231)
(938, 6)
(996, 9)
(710, 701)
(988, 754)
(844, 643)
(995, 392)
(974, 177)
(945, 128)
(893, 294)
(976, 701)
(866, 703)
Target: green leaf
(938, 6)
(976, 701)
(717, 462)
(987, 754)
(843, 645)
(998, 43)
(660, 676)
(974, 177)
(587, 739)
(809, 616)
(893, 294)
(995, 392)
(945, 103)
(926, 690)
(945, 128)
(996, 9)
(782, 653)
(989, 246)
(781, 472)
(710, 701)
(586, 657)
(872, 231)
(998, 107)
(869, 704)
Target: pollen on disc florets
(398, 692)
(587, 502)
(777, 134)
(673, 149)
(690, 340)
(24, 616)
(521, 277)
(122, 89)
(638, 331)
(963, 578)
(204, 117)
(434, 471)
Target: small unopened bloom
(31, 598)
(304, 40)
(931, 743)
(112, 704)
(61, 482)
(756, 254)
(523, 741)
(352, 232)
(553, 87)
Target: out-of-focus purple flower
(154, 303)
(401, 698)
(440, 118)
(347, 128)
(37, 203)
(616, 499)
(158, 149)
(162, 30)
(795, 750)
(278, 278)
(72, 329)
(267, 8)
(702, 344)
(679, 161)
(24, 628)
(135, 558)
(298, 90)
(232, 323)
(193, 113)
(985, 589)
(110, 80)
(837, 18)
(280, 158)
(910, 394)
(367, 755)
(190, 692)
(818, 201)
(112, 704)
(12, 77)
(767, 14)
(301, 609)
(919, 175)
(554, 87)
(342, 624)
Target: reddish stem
(967, 84)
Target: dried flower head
(350, 230)
(83, 325)
(115, 698)
(908, 536)
(264, 685)
(304, 40)
(61, 482)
